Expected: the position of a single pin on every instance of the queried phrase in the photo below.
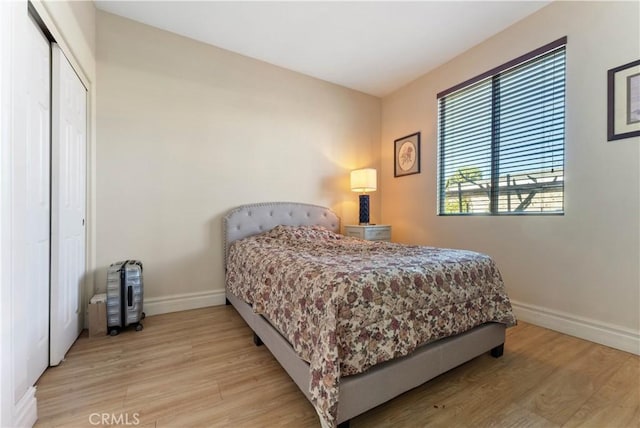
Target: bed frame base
(385, 381)
(496, 352)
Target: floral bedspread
(346, 304)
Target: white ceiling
(373, 47)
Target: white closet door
(35, 294)
(68, 184)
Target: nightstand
(370, 232)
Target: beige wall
(571, 270)
(187, 131)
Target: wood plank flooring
(200, 369)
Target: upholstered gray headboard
(247, 220)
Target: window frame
(493, 74)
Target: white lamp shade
(364, 180)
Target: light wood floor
(200, 368)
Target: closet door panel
(34, 296)
(68, 205)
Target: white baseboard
(183, 302)
(27, 409)
(595, 331)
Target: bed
(355, 323)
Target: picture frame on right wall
(623, 101)
(407, 155)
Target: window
(501, 138)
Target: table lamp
(362, 181)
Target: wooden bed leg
(497, 351)
(226, 302)
(344, 424)
(256, 340)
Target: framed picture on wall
(623, 101)
(407, 155)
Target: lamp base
(364, 209)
